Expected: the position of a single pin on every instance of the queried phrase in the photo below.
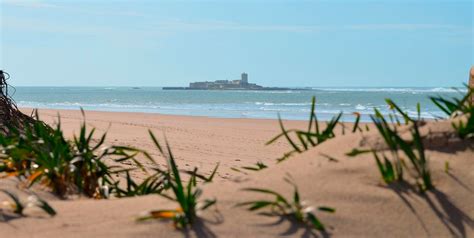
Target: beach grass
(81, 166)
(457, 107)
(309, 138)
(413, 150)
(153, 184)
(185, 195)
(18, 206)
(281, 206)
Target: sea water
(291, 104)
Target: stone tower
(245, 79)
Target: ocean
(291, 104)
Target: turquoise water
(232, 104)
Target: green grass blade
(327, 209)
(285, 133)
(267, 191)
(46, 207)
(315, 222)
(256, 205)
(356, 123)
(18, 205)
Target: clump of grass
(187, 196)
(453, 106)
(413, 150)
(312, 137)
(39, 153)
(281, 206)
(42, 155)
(153, 184)
(18, 206)
(456, 107)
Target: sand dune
(365, 207)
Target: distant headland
(238, 84)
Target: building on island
(242, 83)
(237, 84)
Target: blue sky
(279, 43)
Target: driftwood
(10, 116)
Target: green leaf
(327, 209)
(46, 207)
(267, 191)
(211, 177)
(356, 152)
(208, 203)
(285, 133)
(256, 205)
(315, 222)
(356, 123)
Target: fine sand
(365, 207)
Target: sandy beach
(364, 205)
(197, 141)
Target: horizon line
(292, 87)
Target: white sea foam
(360, 107)
(401, 90)
(251, 104)
(282, 104)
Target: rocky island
(238, 84)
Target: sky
(332, 43)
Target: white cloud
(29, 4)
(198, 26)
(151, 24)
(233, 26)
(180, 25)
(414, 26)
(230, 26)
(38, 4)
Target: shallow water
(292, 104)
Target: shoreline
(170, 114)
(363, 121)
(30, 109)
